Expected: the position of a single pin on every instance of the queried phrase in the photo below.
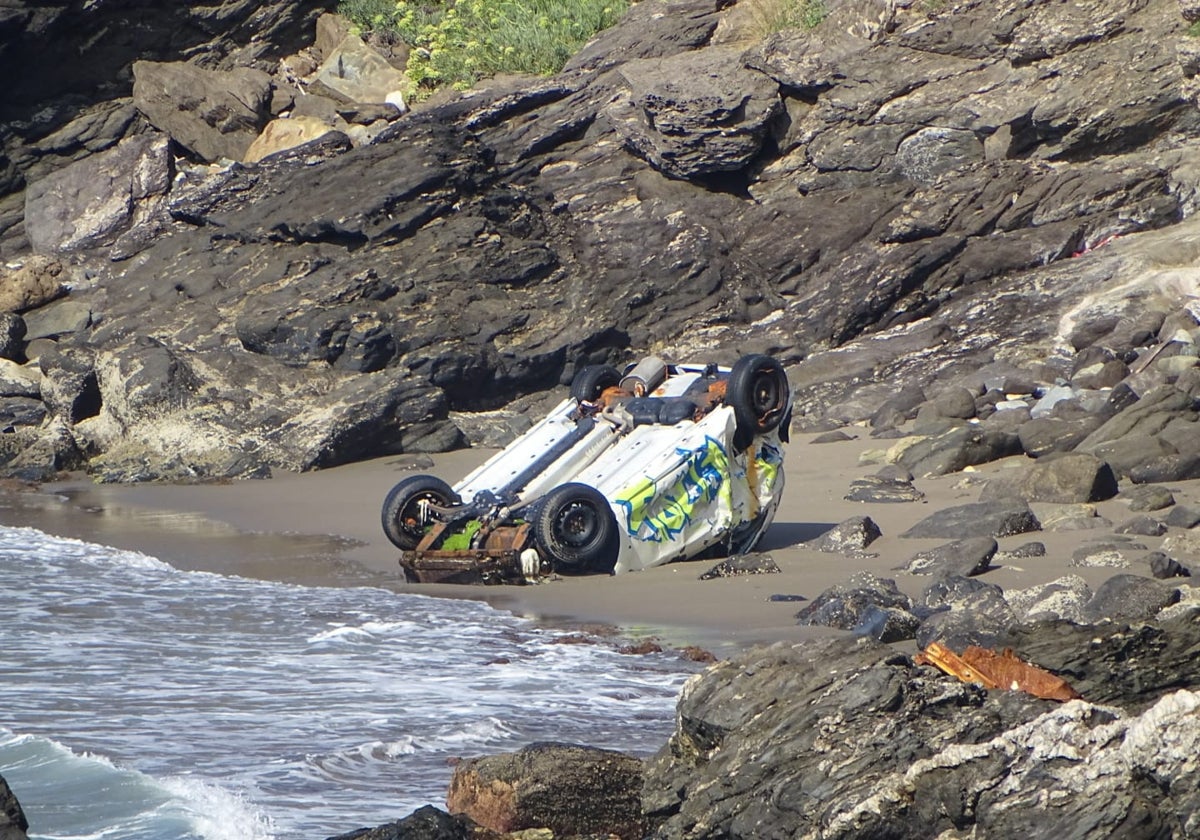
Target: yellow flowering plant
(457, 42)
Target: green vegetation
(775, 15)
(1193, 30)
(457, 43)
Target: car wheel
(576, 528)
(758, 392)
(589, 383)
(403, 521)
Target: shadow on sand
(789, 534)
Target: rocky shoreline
(967, 228)
(891, 201)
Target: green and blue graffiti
(652, 515)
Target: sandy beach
(323, 528)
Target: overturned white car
(662, 463)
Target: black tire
(400, 518)
(589, 383)
(758, 392)
(575, 526)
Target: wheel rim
(577, 524)
(765, 396)
(410, 520)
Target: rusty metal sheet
(497, 562)
(997, 669)
(467, 566)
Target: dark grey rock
(1064, 599)
(1022, 552)
(1112, 554)
(90, 202)
(959, 611)
(882, 490)
(20, 411)
(894, 472)
(1143, 419)
(356, 338)
(866, 605)
(886, 624)
(931, 423)
(1130, 665)
(1067, 479)
(1000, 518)
(715, 121)
(1104, 374)
(57, 319)
(1130, 598)
(12, 336)
(743, 564)
(897, 410)
(1009, 418)
(39, 455)
(835, 436)
(956, 402)
(1146, 526)
(961, 558)
(850, 535)
(1183, 433)
(769, 743)
(1127, 454)
(1070, 478)
(69, 385)
(13, 824)
(1166, 468)
(957, 449)
(1148, 497)
(566, 788)
(1183, 516)
(213, 114)
(1163, 567)
(425, 823)
(1069, 517)
(1046, 435)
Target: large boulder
(842, 198)
(565, 788)
(87, 203)
(33, 282)
(848, 739)
(214, 114)
(425, 823)
(998, 518)
(13, 824)
(1066, 479)
(866, 605)
(353, 72)
(694, 114)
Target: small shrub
(369, 15)
(1193, 31)
(774, 15)
(454, 44)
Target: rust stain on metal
(498, 561)
(992, 669)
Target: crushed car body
(661, 463)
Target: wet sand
(323, 528)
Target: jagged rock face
(69, 72)
(848, 739)
(813, 195)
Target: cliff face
(903, 194)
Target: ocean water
(140, 702)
